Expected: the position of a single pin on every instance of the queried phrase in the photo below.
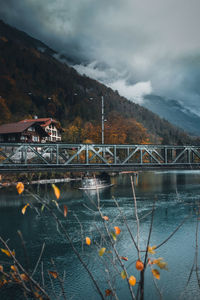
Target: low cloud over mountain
(147, 45)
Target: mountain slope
(33, 82)
(174, 112)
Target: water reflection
(176, 194)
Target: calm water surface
(177, 195)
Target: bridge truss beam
(77, 157)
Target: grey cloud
(154, 41)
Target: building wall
(54, 133)
(30, 135)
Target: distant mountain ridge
(174, 112)
(33, 82)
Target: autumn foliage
(118, 130)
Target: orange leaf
(160, 263)
(56, 191)
(108, 292)
(53, 274)
(13, 268)
(7, 252)
(15, 278)
(105, 218)
(24, 277)
(117, 230)
(155, 273)
(20, 187)
(4, 282)
(124, 258)
(132, 280)
(139, 265)
(65, 210)
(101, 251)
(24, 208)
(88, 240)
(37, 295)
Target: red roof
(19, 127)
(45, 121)
(15, 127)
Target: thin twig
(60, 280)
(52, 287)
(136, 216)
(39, 258)
(157, 288)
(196, 252)
(177, 228)
(23, 270)
(26, 258)
(81, 227)
(127, 226)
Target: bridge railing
(33, 154)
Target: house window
(35, 138)
(31, 128)
(11, 138)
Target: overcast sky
(136, 46)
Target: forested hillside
(34, 82)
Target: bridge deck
(20, 157)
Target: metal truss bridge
(24, 157)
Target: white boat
(93, 184)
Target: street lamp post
(102, 120)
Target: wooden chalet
(51, 126)
(22, 132)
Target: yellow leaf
(101, 251)
(132, 280)
(7, 252)
(56, 191)
(113, 236)
(117, 230)
(65, 210)
(20, 187)
(139, 265)
(56, 203)
(105, 218)
(155, 273)
(151, 249)
(88, 240)
(1, 268)
(53, 274)
(24, 208)
(123, 274)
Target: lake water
(177, 195)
